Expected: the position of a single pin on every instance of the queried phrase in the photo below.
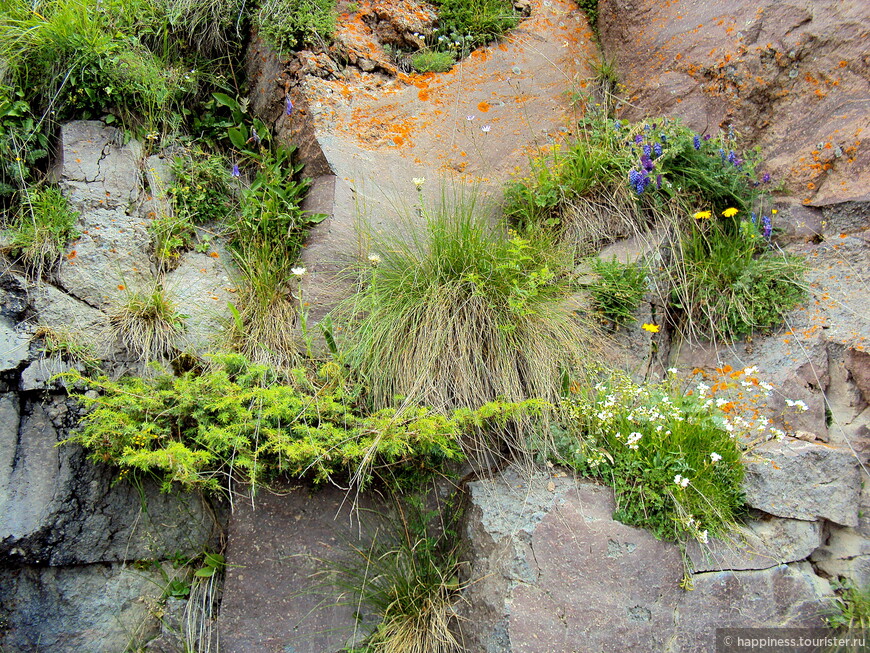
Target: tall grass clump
(42, 228)
(459, 312)
(730, 281)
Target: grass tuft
(460, 312)
(147, 323)
(41, 230)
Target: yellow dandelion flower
(652, 328)
(730, 213)
(702, 215)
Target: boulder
(57, 508)
(100, 608)
(551, 570)
(14, 345)
(804, 480)
(760, 544)
(101, 179)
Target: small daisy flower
(374, 259)
(485, 129)
(715, 457)
(299, 272)
(469, 118)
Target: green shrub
(619, 289)
(475, 22)
(42, 228)
(147, 323)
(644, 440)
(458, 312)
(244, 422)
(430, 61)
(731, 282)
(287, 25)
(210, 27)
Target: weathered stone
(72, 318)
(846, 553)
(95, 608)
(97, 169)
(38, 375)
(761, 544)
(58, 508)
(202, 290)
(787, 596)
(276, 595)
(802, 480)
(14, 346)
(552, 571)
(110, 257)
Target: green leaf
(227, 101)
(237, 137)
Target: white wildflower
(374, 259)
(715, 457)
(702, 389)
(672, 370)
(299, 272)
(418, 182)
(801, 405)
(703, 537)
(751, 370)
(682, 481)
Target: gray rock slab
(804, 480)
(202, 289)
(39, 374)
(274, 599)
(552, 571)
(95, 608)
(58, 508)
(845, 553)
(790, 596)
(760, 544)
(99, 170)
(110, 257)
(73, 318)
(14, 346)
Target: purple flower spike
(647, 150)
(732, 158)
(647, 163)
(697, 143)
(235, 171)
(706, 137)
(754, 218)
(638, 139)
(657, 148)
(288, 106)
(765, 178)
(659, 182)
(766, 227)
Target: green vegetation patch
(41, 229)
(617, 179)
(668, 454)
(288, 25)
(246, 422)
(475, 22)
(619, 289)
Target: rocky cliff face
(552, 571)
